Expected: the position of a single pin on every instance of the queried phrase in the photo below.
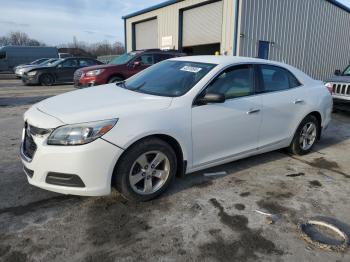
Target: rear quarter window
(275, 78)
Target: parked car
(178, 116)
(19, 70)
(121, 67)
(61, 71)
(12, 56)
(339, 85)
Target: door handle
(253, 111)
(298, 101)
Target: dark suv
(121, 68)
(339, 86)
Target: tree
(95, 49)
(19, 38)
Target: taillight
(329, 86)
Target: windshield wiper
(139, 86)
(121, 84)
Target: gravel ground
(200, 218)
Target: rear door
(65, 70)
(283, 104)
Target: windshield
(168, 78)
(57, 62)
(347, 71)
(39, 61)
(49, 62)
(123, 59)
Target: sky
(56, 22)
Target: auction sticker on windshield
(191, 69)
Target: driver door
(225, 130)
(65, 70)
(140, 63)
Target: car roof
(78, 57)
(224, 61)
(171, 51)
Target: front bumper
(93, 163)
(34, 80)
(341, 99)
(19, 73)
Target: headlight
(32, 73)
(80, 134)
(329, 86)
(94, 72)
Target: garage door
(146, 35)
(202, 25)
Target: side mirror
(136, 64)
(211, 98)
(337, 72)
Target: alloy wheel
(308, 136)
(149, 172)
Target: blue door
(263, 51)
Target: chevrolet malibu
(176, 117)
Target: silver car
(20, 70)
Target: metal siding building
(313, 35)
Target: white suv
(176, 117)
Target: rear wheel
(146, 170)
(115, 79)
(305, 136)
(46, 80)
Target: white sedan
(176, 117)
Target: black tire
(296, 147)
(46, 80)
(115, 79)
(127, 161)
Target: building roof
(152, 8)
(171, 2)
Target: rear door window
(275, 78)
(86, 62)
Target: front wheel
(46, 80)
(146, 170)
(305, 136)
(115, 79)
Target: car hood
(22, 66)
(28, 68)
(37, 68)
(95, 67)
(99, 103)
(340, 79)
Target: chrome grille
(28, 145)
(341, 89)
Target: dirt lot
(199, 219)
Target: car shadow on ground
(206, 177)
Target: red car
(121, 68)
